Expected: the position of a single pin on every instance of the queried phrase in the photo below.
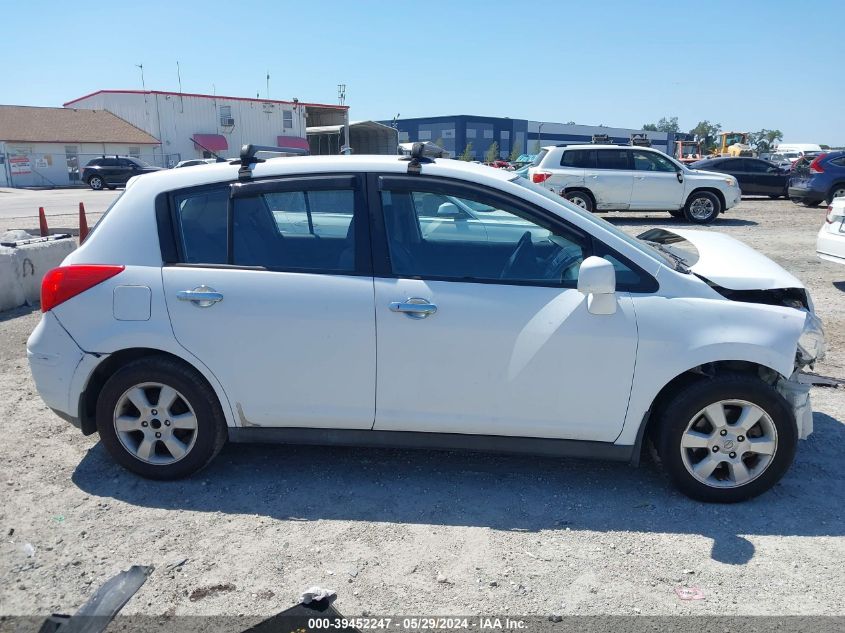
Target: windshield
(647, 248)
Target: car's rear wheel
(812, 204)
(580, 199)
(837, 192)
(726, 439)
(702, 207)
(96, 183)
(160, 419)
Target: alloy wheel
(729, 443)
(578, 201)
(701, 208)
(838, 193)
(155, 423)
(96, 183)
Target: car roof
(170, 179)
(601, 146)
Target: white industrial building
(197, 125)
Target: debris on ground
(689, 593)
(316, 594)
(205, 592)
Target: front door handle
(414, 307)
(201, 296)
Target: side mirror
(680, 175)
(597, 280)
(449, 210)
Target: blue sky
(747, 65)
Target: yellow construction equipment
(733, 144)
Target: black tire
(691, 399)
(581, 199)
(775, 196)
(677, 213)
(96, 182)
(702, 207)
(111, 187)
(210, 431)
(837, 191)
(812, 204)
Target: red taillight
(65, 282)
(829, 217)
(540, 176)
(816, 166)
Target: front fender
(679, 334)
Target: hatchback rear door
(270, 287)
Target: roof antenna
(417, 158)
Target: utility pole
(268, 84)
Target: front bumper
(797, 394)
(733, 198)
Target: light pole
(540, 136)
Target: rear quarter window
(539, 158)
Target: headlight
(811, 343)
(731, 182)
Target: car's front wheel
(160, 419)
(726, 439)
(580, 199)
(96, 183)
(702, 207)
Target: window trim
(378, 182)
(171, 239)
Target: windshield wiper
(680, 262)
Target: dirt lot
(397, 532)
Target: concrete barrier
(23, 267)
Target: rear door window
(579, 158)
(613, 159)
(202, 218)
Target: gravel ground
(400, 532)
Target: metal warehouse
(455, 133)
(48, 146)
(199, 125)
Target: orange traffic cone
(42, 222)
(83, 224)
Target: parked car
(193, 162)
(113, 171)
(830, 244)
(191, 316)
(755, 176)
(616, 177)
(823, 180)
(784, 159)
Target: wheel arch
(835, 185)
(714, 190)
(113, 362)
(582, 188)
(698, 373)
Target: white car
(189, 317)
(620, 177)
(830, 244)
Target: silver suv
(619, 177)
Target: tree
(764, 140)
(706, 132)
(516, 151)
(668, 125)
(492, 153)
(439, 142)
(535, 149)
(570, 123)
(468, 154)
(663, 125)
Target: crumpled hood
(726, 261)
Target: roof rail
(248, 156)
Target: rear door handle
(201, 296)
(414, 307)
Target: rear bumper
(802, 194)
(830, 245)
(53, 358)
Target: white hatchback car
(830, 244)
(620, 177)
(199, 311)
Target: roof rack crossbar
(249, 158)
(417, 158)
